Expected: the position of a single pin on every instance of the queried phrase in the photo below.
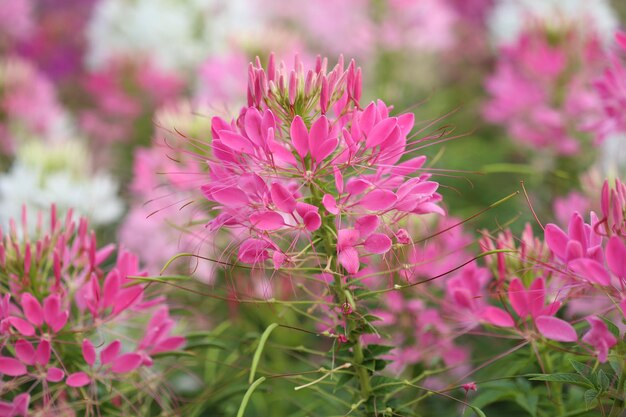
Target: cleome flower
(304, 159)
(56, 300)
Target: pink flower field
(365, 208)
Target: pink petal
(54, 374)
(20, 405)
(347, 238)
(357, 185)
(556, 329)
(253, 251)
(408, 167)
(616, 256)
(78, 379)
(125, 363)
(317, 136)
(312, 221)
(367, 224)
(378, 243)
(591, 270)
(368, 118)
(556, 240)
(406, 122)
(22, 326)
(252, 124)
(304, 208)
(518, 298)
(349, 259)
(282, 198)
(537, 297)
(236, 142)
(51, 308)
(111, 287)
(169, 344)
(380, 132)
(11, 367)
(59, 321)
(267, 220)
(89, 352)
(620, 37)
(110, 352)
(282, 156)
(330, 204)
(299, 136)
(32, 309)
(326, 148)
(126, 298)
(42, 355)
(497, 317)
(378, 200)
(573, 250)
(25, 352)
(229, 196)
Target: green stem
(556, 388)
(328, 231)
(618, 403)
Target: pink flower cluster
(117, 106)
(163, 183)
(541, 90)
(348, 28)
(28, 103)
(611, 87)
(55, 296)
(304, 159)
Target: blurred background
(95, 96)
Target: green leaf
(616, 365)
(370, 317)
(611, 326)
(562, 377)
(590, 396)
(343, 380)
(382, 385)
(259, 350)
(478, 411)
(206, 345)
(602, 380)
(174, 353)
(582, 370)
(373, 351)
(248, 394)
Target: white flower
(176, 34)
(43, 175)
(509, 17)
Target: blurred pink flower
(541, 89)
(599, 337)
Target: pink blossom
(611, 88)
(61, 291)
(122, 92)
(28, 100)
(599, 337)
(16, 408)
(298, 154)
(541, 90)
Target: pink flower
(316, 159)
(541, 90)
(611, 88)
(51, 314)
(28, 100)
(16, 408)
(62, 292)
(599, 337)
